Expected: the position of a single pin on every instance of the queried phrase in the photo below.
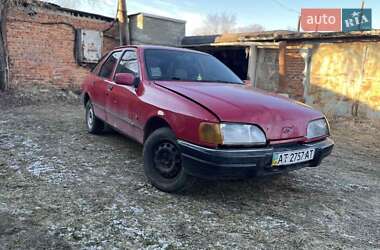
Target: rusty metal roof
(283, 36)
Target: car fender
(180, 113)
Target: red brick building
(42, 41)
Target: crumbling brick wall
(295, 66)
(41, 45)
(342, 78)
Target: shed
(335, 72)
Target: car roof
(143, 47)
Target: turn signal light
(210, 133)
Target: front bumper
(241, 163)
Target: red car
(196, 118)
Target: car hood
(279, 117)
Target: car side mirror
(248, 83)
(127, 79)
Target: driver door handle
(110, 88)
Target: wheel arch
(86, 98)
(154, 123)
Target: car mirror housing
(248, 83)
(127, 79)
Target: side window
(109, 65)
(96, 68)
(129, 63)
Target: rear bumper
(241, 163)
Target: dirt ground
(62, 188)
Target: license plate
(293, 157)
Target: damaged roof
(56, 7)
(277, 36)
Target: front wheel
(163, 164)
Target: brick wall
(295, 66)
(44, 53)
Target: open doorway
(235, 57)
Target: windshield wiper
(217, 81)
(220, 81)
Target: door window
(109, 65)
(97, 67)
(129, 63)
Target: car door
(101, 84)
(123, 100)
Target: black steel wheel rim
(167, 159)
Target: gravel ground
(62, 188)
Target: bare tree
(96, 5)
(74, 4)
(218, 23)
(249, 28)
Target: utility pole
(122, 17)
(361, 15)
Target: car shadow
(223, 190)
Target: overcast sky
(272, 14)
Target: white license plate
(293, 157)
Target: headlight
(317, 128)
(231, 134)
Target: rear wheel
(94, 124)
(163, 164)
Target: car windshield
(176, 65)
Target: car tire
(163, 163)
(93, 123)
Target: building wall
(339, 78)
(344, 79)
(44, 53)
(148, 29)
(267, 69)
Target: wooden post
(282, 67)
(252, 64)
(299, 24)
(122, 17)
(361, 15)
(3, 47)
